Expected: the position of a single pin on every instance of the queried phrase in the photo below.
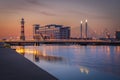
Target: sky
(102, 15)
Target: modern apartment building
(52, 31)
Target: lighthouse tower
(22, 36)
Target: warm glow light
(44, 54)
(38, 54)
(28, 51)
(86, 20)
(81, 22)
(81, 70)
(84, 70)
(108, 50)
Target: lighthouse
(22, 36)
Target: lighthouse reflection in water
(37, 55)
(75, 62)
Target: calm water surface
(75, 62)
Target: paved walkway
(14, 66)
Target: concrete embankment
(14, 66)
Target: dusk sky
(101, 15)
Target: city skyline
(101, 15)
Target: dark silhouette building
(118, 35)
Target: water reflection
(37, 55)
(21, 50)
(76, 61)
(117, 49)
(84, 70)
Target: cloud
(47, 13)
(31, 6)
(92, 15)
(43, 12)
(36, 3)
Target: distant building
(35, 31)
(118, 35)
(52, 31)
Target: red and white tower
(22, 36)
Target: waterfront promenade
(14, 66)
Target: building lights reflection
(93, 49)
(84, 70)
(21, 50)
(37, 55)
(27, 51)
(107, 48)
(117, 49)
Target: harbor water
(75, 62)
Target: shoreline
(65, 42)
(16, 67)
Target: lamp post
(81, 29)
(86, 28)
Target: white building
(52, 31)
